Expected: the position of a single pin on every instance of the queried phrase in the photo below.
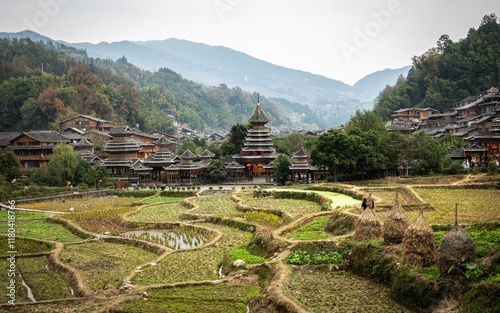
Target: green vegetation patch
(195, 265)
(300, 257)
(40, 229)
(44, 283)
(21, 215)
(311, 231)
(209, 298)
(339, 291)
(242, 253)
(216, 204)
(103, 263)
(160, 200)
(168, 212)
(79, 305)
(24, 246)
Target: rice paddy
(103, 266)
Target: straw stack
(367, 226)
(395, 224)
(419, 247)
(456, 249)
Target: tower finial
(258, 98)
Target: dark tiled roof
(258, 116)
(206, 154)
(83, 143)
(6, 137)
(187, 155)
(87, 117)
(45, 136)
(163, 142)
(120, 130)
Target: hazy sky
(340, 39)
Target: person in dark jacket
(364, 204)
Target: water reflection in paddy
(168, 238)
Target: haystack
(395, 224)
(367, 226)
(456, 249)
(419, 248)
(370, 202)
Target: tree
(444, 43)
(282, 168)
(9, 165)
(236, 139)
(94, 175)
(64, 160)
(365, 121)
(428, 154)
(216, 172)
(333, 151)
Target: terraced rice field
(326, 291)
(167, 212)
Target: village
(132, 156)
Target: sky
(339, 39)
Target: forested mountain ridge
(42, 83)
(449, 72)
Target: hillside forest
(44, 83)
(448, 73)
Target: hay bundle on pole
(395, 224)
(367, 226)
(456, 249)
(370, 202)
(419, 247)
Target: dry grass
(80, 205)
(474, 205)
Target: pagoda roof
(475, 148)
(119, 146)
(163, 142)
(234, 165)
(258, 116)
(187, 155)
(206, 154)
(301, 153)
(83, 143)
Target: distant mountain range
(213, 65)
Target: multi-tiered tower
(258, 149)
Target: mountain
(213, 65)
(370, 86)
(26, 34)
(332, 100)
